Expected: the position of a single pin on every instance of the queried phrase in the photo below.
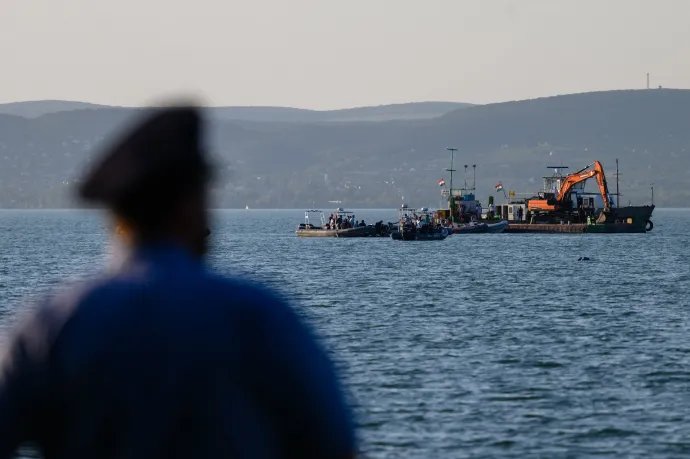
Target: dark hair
(152, 205)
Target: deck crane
(562, 200)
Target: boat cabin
(464, 197)
(553, 183)
(510, 211)
(591, 201)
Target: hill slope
(36, 108)
(378, 163)
(411, 111)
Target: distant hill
(410, 111)
(415, 110)
(36, 108)
(377, 164)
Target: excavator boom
(603, 186)
(597, 171)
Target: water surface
(481, 345)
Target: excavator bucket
(602, 218)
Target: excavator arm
(572, 180)
(598, 172)
(603, 186)
(593, 170)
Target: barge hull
(544, 228)
(577, 228)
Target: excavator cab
(565, 199)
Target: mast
(451, 170)
(618, 195)
(474, 177)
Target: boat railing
(314, 211)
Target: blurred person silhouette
(162, 358)
(121, 244)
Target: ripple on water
(476, 346)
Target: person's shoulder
(256, 304)
(43, 318)
(247, 291)
(69, 296)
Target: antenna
(652, 186)
(474, 179)
(465, 176)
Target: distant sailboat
(246, 207)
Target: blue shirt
(165, 359)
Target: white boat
(309, 229)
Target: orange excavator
(562, 200)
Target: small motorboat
(414, 226)
(309, 229)
(471, 228)
(497, 227)
(417, 236)
(313, 231)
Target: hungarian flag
(441, 182)
(499, 187)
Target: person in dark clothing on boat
(581, 215)
(163, 358)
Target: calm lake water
(477, 346)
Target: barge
(563, 206)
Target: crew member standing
(163, 358)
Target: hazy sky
(332, 54)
